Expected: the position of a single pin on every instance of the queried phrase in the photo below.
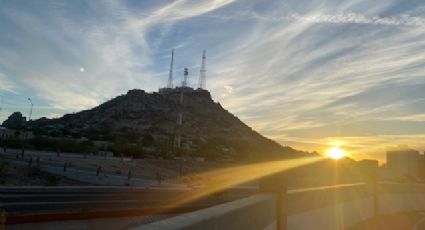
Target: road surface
(32, 204)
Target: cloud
(359, 147)
(352, 17)
(178, 10)
(6, 84)
(413, 117)
(114, 52)
(228, 90)
(313, 71)
(290, 69)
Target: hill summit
(182, 120)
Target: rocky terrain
(206, 128)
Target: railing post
(277, 184)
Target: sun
(336, 153)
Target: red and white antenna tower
(170, 76)
(202, 84)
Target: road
(33, 204)
(81, 173)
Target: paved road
(87, 174)
(116, 223)
(109, 201)
(36, 153)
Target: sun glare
(336, 153)
(222, 179)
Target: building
(404, 161)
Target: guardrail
(331, 207)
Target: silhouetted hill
(206, 129)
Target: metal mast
(170, 76)
(202, 84)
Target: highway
(36, 204)
(78, 172)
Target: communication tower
(202, 84)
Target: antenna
(186, 73)
(170, 76)
(202, 84)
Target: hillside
(206, 127)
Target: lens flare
(336, 153)
(222, 179)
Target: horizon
(311, 75)
(322, 153)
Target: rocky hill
(206, 127)
(15, 121)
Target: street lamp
(29, 99)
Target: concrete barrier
(395, 198)
(252, 213)
(337, 216)
(330, 208)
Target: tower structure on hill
(170, 76)
(202, 84)
(184, 85)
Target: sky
(309, 74)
